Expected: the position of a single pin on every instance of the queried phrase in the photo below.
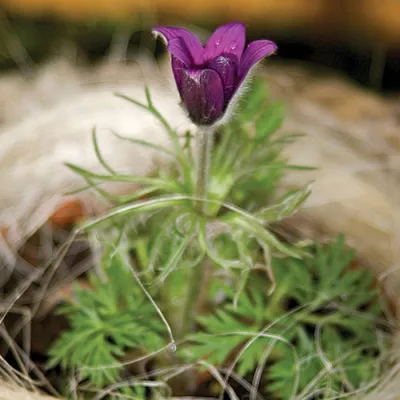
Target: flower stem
(195, 283)
(205, 142)
(197, 274)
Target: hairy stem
(197, 273)
(195, 283)
(205, 142)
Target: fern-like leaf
(106, 321)
(328, 311)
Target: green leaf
(170, 185)
(140, 207)
(106, 321)
(290, 203)
(269, 122)
(252, 227)
(99, 155)
(145, 143)
(179, 151)
(329, 312)
(178, 246)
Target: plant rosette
(191, 274)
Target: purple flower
(208, 77)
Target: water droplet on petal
(233, 45)
(216, 44)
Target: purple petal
(254, 53)
(227, 39)
(193, 44)
(178, 49)
(202, 94)
(227, 69)
(178, 69)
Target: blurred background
(357, 38)
(353, 135)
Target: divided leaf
(106, 320)
(326, 309)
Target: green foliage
(316, 332)
(320, 326)
(245, 170)
(106, 320)
(247, 165)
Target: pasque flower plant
(209, 77)
(188, 261)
